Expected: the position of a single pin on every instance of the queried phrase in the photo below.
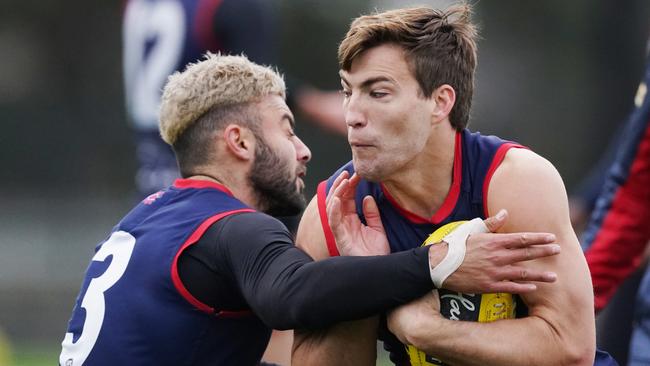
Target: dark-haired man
(407, 76)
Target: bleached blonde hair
(216, 81)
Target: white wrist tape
(456, 241)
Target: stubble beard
(274, 183)
(369, 170)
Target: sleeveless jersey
(476, 157)
(133, 309)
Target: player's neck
(423, 184)
(238, 185)
(207, 177)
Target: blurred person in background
(616, 239)
(582, 199)
(613, 322)
(162, 36)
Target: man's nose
(355, 116)
(302, 151)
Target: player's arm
(560, 327)
(287, 289)
(347, 343)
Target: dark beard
(276, 192)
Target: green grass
(30, 355)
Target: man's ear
(443, 98)
(240, 141)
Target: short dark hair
(440, 48)
(192, 147)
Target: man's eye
(346, 93)
(376, 94)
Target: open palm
(352, 236)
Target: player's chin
(367, 171)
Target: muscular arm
(347, 343)
(286, 289)
(560, 327)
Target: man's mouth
(300, 183)
(360, 144)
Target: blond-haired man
(407, 76)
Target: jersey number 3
(120, 246)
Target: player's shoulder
(528, 185)
(485, 152)
(482, 141)
(525, 162)
(251, 224)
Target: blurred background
(557, 76)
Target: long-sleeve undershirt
(249, 261)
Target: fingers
(521, 240)
(522, 274)
(495, 222)
(529, 253)
(351, 188)
(513, 287)
(520, 281)
(334, 212)
(354, 181)
(341, 189)
(371, 213)
(344, 188)
(334, 204)
(344, 174)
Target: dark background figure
(617, 236)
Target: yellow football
(465, 307)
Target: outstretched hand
(492, 261)
(352, 236)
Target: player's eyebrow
(366, 84)
(289, 118)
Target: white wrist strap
(456, 241)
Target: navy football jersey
(476, 158)
(133, 308)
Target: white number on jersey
(120, 246)
(161, 24)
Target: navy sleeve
(287, 289)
